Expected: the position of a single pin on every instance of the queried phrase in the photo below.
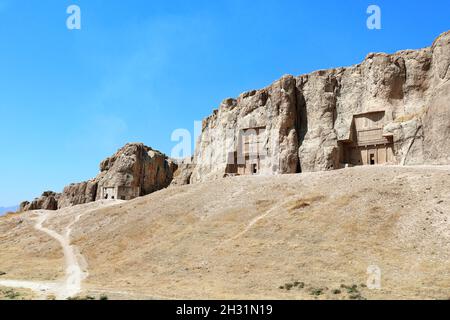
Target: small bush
(81, 298)
(290, 286)
(104, 297)
(11, 294)
(316, 291)
(299, 284)
(356, 296)
(352, 289)
(336, 291)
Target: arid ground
(305, 236)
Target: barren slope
(245, 237)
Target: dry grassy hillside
(246, 237)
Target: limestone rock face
(437, 118)
(47, 201)
(182, 175)
(271, 111)
(437, 127)
(24, 206)
(307, 118)
(134, 167)
(78, 193)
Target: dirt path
(71, 284)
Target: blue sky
(139, 69)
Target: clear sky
(139, 69)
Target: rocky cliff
(306, 119)
(182, 175)
(301, 124)
(134, 167)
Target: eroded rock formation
(310, 122)
(47, 201)
(182, 175)
(391, 108)
(135, 170)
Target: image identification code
(226, 309)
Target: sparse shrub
(295, 284)
(104, 297)
(81, 298)
(11, 294)
(356, 296)
(316, 291)
(352, 289)
(336, 291)
(2, 273)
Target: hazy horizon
(3, 210)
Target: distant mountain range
(3, 210)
